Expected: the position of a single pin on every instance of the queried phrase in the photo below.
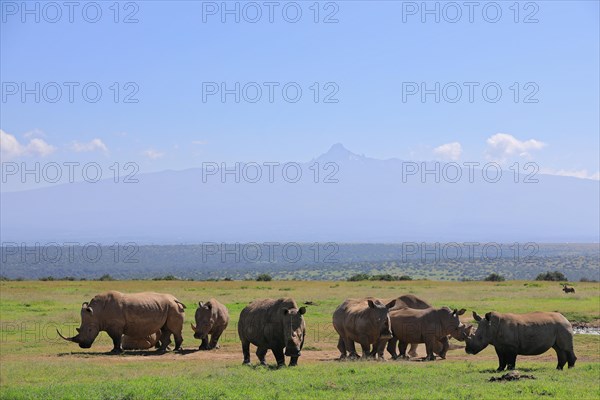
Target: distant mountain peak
(338, 152)
(338, 148)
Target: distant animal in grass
(568, 289)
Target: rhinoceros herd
(145, 320)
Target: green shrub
(494, 277)
(264, 278)
(359, 277)
(551, 276)
(166, 278)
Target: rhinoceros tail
(180, 304)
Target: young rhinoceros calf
(212, 319)
(430, 326)
(147, 342)
(525, 334)
(137, 315)
(273, 325)
(365, 321)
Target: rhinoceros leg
(501, 360)
(391, 347)
(246, 351)
(342, 348)
(445, 347)
(261, 352)
(511, 360)
(165, 340)
(571, 358)
(279, 357)
(402, 349)
(381, 349)
(351, 347)
(214, 339)
(204, 345)
(116, 338)
(178, 341)
(413, 350)
(366, 350)
(561, 355)
(429, 345)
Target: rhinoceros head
(379, 317)
(204, 320)
(293, 330)
(482, 336)
(451, 324)
(89, 329)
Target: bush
(106, 277)
(381, 277)
(166, 278)
(47, 278)
(264, 278)
(551, 276)
(385, 277)
(359, 277)
(584, 279)
(493, 277)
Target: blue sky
(367, 55)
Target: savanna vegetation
(35, 363)
(304, 261)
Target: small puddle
(586, 330)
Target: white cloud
(11, 148)
(502, 146)
(199, 142)
(33, 133)
(582, 173)
(449, 151)
(95, 144)
(153, 154)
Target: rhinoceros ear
(200, 304)
(461, 311)
(391, 304)
(208, 305)
(302, 310)
(286, 311)
(85, 304)
(371, 304)
(90, 310)
(488, 316)
(476, 317)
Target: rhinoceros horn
(193, 327)
(71, 339)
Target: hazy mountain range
(371, 202)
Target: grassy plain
(35, 364)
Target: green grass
(357, 380)
(35, 364)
